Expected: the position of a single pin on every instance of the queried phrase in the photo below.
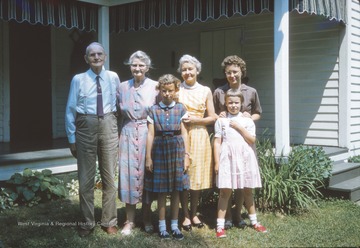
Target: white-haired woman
(198, 100)
(136, 97)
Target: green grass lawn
(335, 223)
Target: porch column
(103, 32)
(345, 80)
(281, 62)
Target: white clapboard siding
(258, 52)
(356, 136)
(314, 76)
(314, 80)
(354, 26)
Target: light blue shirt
(83, 96)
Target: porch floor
(55, 156)
(8, 148)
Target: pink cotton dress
(238, 165)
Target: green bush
(290, 184)
(31, 187)
(6, 199)
(73, 187)
(354, 159)
(311, 161)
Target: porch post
(103, 32)
(281, 62)
(345, 81)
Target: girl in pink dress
(235, 160)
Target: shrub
(354, 159)
(311, 161)
(73, 187)
(290, 185)
(6, 199)
(31, 187)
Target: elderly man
(91, 127)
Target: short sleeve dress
(238, 165)
(201, 166)
(168, 151)
(134, 104)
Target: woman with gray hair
(198, 100)
(136, 97)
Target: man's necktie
(99, 102)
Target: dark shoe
(241, 224)
(110, 229)
(187, 228)
(84, 232)
(149, 229)
(198, 225)
(164, 235)
(228, 224)
(177, 234)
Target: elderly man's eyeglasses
(138, 65)
(94, 55)
(229, 73)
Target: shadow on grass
(54, 224)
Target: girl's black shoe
(187, 228)
(198, 225)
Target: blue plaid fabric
(168, 152)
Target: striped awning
(156, 13)
(332, 9)
(147, 14)
(59, 13)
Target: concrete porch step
(56, 160)
(336, 153)
(350, 189)
(343, 171)
(345, 177)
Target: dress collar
(166, 107)
(196, 84)
(233, 116)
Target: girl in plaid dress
(166, 156)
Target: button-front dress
(134, 104)
(201, 166)
(168, 150)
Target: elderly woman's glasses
(137, 65)
(229, 73)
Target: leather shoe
(198, 225)
(110, 229)
(84, 232)
(187, 228)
